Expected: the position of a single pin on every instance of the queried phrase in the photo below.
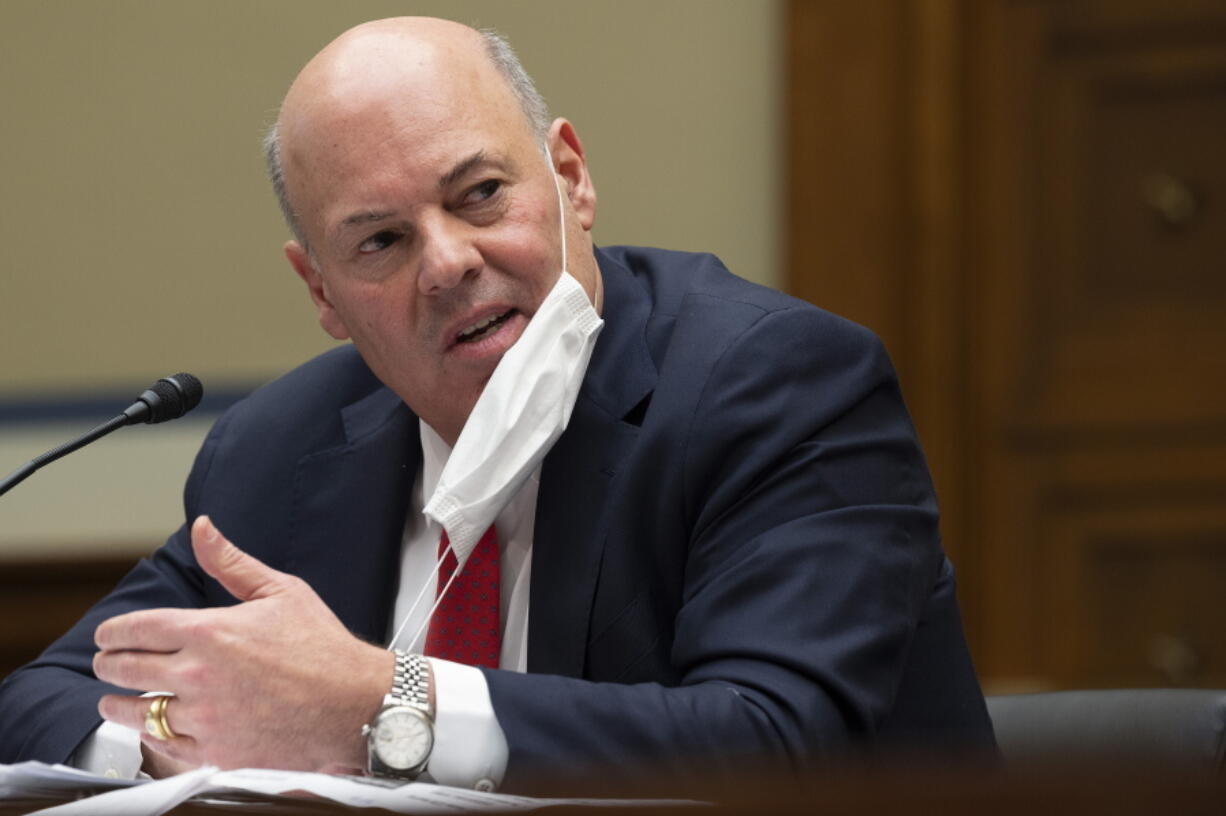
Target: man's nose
(449, 255)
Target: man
(729, 556)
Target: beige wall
(138, 238)
(136, 233)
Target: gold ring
(155, 718)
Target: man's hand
(274, 682)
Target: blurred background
(1026, 199)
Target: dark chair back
(1180, 727)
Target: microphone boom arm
(20, 474)
(168, 398)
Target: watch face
(402, 738)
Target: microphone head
(171, 398)
(190, 390)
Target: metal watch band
(411, 682)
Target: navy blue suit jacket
(736, 553)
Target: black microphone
(168, 398)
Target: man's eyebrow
(366, 217)
(450, 177)
(461, 168)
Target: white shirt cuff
(470, 750)
(113, 751)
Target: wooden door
(1041, 240)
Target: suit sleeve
(50, 706)
(811, 545)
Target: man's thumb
(243, 576)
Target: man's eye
(485, 190)
(379, 241)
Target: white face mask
(521, 412)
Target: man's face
(432, 217)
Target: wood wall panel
(1030, 209)
(875, 211)
(846, 214)
(1101, 330)
(1135, 587)
(39, 601)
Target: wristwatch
(400, 737)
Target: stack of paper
(105, 796)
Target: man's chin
(447, 411)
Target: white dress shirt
(470, 749)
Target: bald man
(716, 538)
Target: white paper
(401, 797)
(137, 797)
(152, 798)
(33, 779)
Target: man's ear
(570, 163)
(300, 259)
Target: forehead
(388, 110)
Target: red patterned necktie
(465, 628)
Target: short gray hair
(276, 174)
(500, 53)
(499, 50)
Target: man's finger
(150, 630)
(134, 670)
(164, 758)
(130, 711)
(244, 576)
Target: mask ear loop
(430, 581)
(557, 188)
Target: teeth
(481, 325)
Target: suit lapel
(576, 477)
(349, 509)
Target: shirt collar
(434, 455)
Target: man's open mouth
(483, 327)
